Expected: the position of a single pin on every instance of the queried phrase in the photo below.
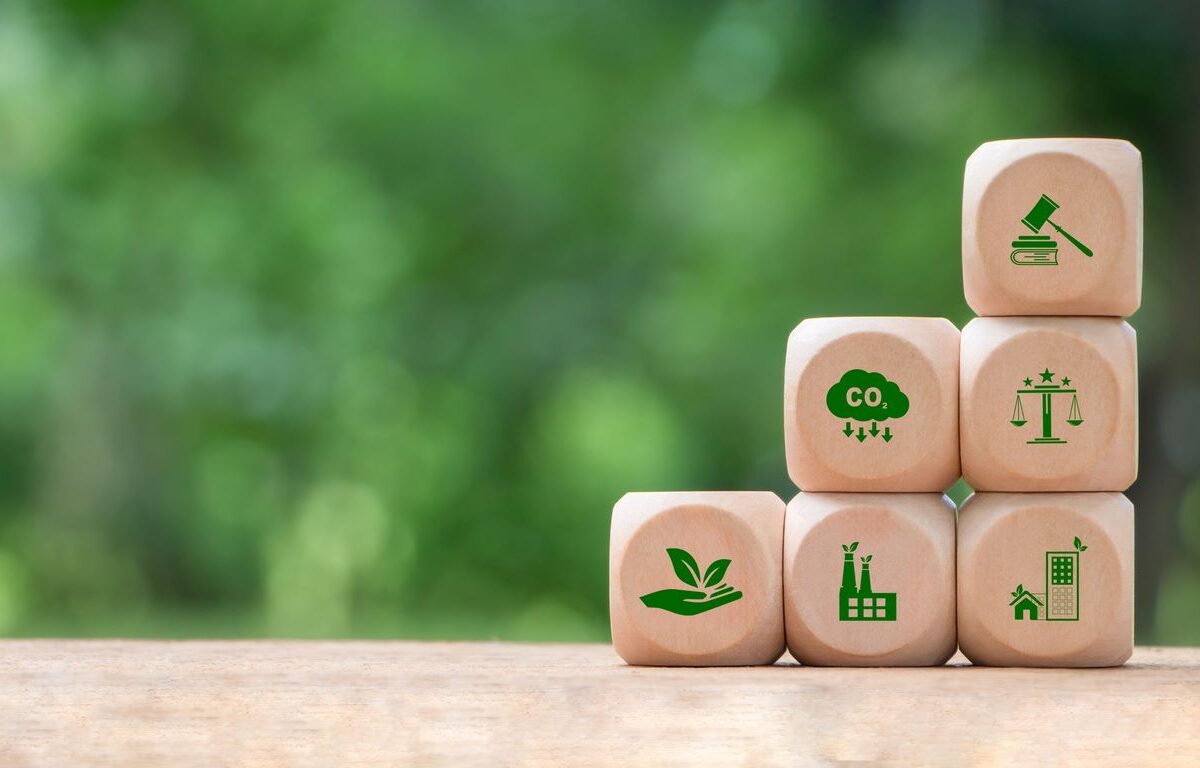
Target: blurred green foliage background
(327, 318)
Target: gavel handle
(1086, 251)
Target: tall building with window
(1062, 588)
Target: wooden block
(695, 578)
(1046, 579)
(1053, 227)
(868, 579)
(1049, 404)
(871, 404)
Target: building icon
(1060, 601)
(1025, 604)
(1062, 590)
(856, 600)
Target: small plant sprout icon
(708, 591)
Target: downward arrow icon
(848, 430)
(887, 434)
(874, 429)
(860, 435)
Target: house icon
(1025, 604)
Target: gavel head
(1040, 213)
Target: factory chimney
(848, 579)
(865, 587)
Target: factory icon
(1060, 601)
(856, 600)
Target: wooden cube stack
(1052, 260)
(871, 435)
(1035, 403)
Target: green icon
(859, 603)
(1060, 601)
(862, 396)
(1035, 249)
(689, 602)
(1047, 389)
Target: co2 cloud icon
(866, 396)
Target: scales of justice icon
(1047, 389)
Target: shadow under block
(1046, 579)
(1049, 404)
(868, 579)
(871, 404)
(1033, 211)
(695, 578)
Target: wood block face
(695, 578)
(1053, 227)
(1046, 579)
(1049, 404)
(868, 579)
(871, 404)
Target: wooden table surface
(130, 703)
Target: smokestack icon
(849, 587)
(856, 599)
(865, 588)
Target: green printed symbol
(689, 602)
(862, 396)
(1047, 389)
(859, 602)
(1041, 250)
(1060, 601)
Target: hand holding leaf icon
(689, 602)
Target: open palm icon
(689, 602)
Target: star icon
(1066, 381)
(1029, 382)
(1047, 375)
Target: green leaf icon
(692, 602)
(1079, 545)
(685, 566)
(715, 572)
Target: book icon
(1032, 250)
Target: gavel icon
(1040, 215)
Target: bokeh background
(330, 319)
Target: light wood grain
(744, 529)
(1098, 185)
(1003, 541)
(910, 539)
(1096, 357)
(322, 704)
(914, 452)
